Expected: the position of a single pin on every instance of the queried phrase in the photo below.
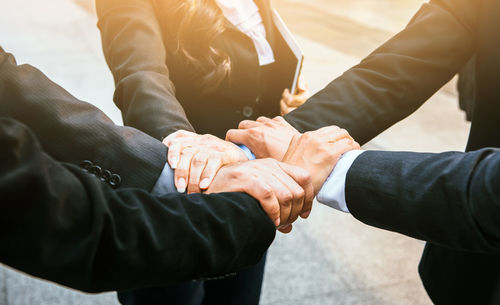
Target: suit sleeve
(451, 199)
(134, 50)
(60, 223)
(73, 131)
(399, 76)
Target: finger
(265, 195)
(297, 193)
(174, 152)
(297, 100)
(282, 193)
(181, 174)
(286, 229)
(344, 145)
(264, 120)
(207, 176)
(339, 135)
(303, 178)
(175, 135)
(238, 136)
(286, 96)
(246, 124)
(302, 84)
(280, 120)
(284, 109)
(198, 164)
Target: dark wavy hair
(194, 25)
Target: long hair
(194, 25)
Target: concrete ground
(329, 259)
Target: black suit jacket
(159, 94)
(394, 81)
(60, 222)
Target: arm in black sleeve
(59, 223)
(451, 199)
(71, 130)
(134, 50)
(399, 76)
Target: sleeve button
(115, 181)
(106, 176)
(86, 165)
(96, 171)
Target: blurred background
(329, 259)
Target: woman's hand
(197, 158)
(318, 152)
(289, 101)
(284, 191)
(266, 138)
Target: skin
(197, 158)
(284, 191)
(319, 151)
(289, 101)
(266, 138)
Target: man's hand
(318, 152)
(197, 158)
(284, 191)
(266, 138)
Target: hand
(266, 138)
(290, 102)
(284, 191)
(197, 158)
(318, 152)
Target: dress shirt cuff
(165, 183)
(332, 192)
(247, 152)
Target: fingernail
(305, 214)
(181, 188)
(204, 183)
(277, 222)
(174, 162)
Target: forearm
(134, 50)
(398, 77)
(78, 232)
(448, 199)
(73, 131)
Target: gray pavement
(329, 259)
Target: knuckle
(180, 172)
(300, 193)
(286, 196)
(198, 161)
(266, 191)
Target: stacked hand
(284, 191)
(266, 138)
(197, 158)
(316, 151)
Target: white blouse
(245, 16)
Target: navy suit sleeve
(451, 199)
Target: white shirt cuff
(332, 192)
(247, 152)
(165, 183)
